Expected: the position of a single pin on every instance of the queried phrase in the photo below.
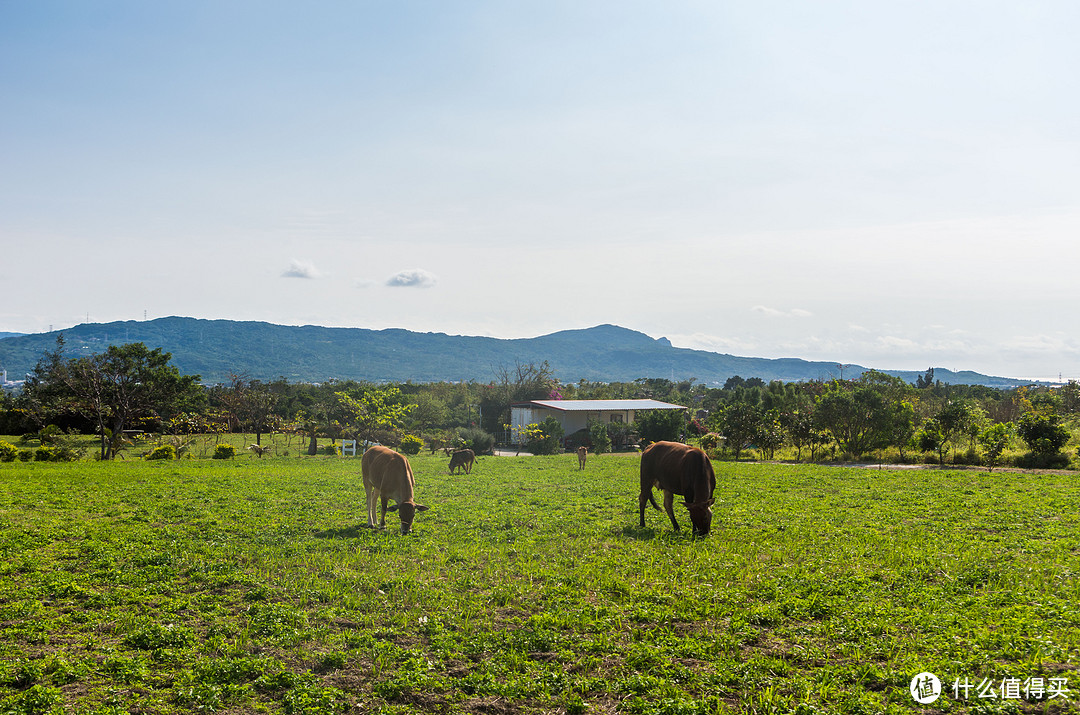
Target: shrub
(710, 441)
(477, 440)
(331, 450)
(165, 451)
(578, 439)
(598, 434)
(26, 455)
(1043, 460)
(1043, 432)
(44, 454)
(549, 440)
(411, 444)
(8, 452)
(659, 425)
(224, 451)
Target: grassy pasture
(252, 586)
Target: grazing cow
(678, 469)
(387, 475)
(463, 458)
(582, 453)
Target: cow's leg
(669, 507)
(372, 500)
(642, 500)
(382, 513)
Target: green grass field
(253, 586)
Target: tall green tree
(374, 412)
(855, 416)
(740, 424)
(118, 388)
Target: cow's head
(701, 517)
(407, 512)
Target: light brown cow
(464, 459)
(678, 469)
(582, 453)
(387, 475)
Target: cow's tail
(652, 500)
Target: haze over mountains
(215, 349)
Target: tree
(523, 382)
(739, 423)
(802, 431)
(547, 439)
(598, 435)
(924, 381)
(117, 389)
(249, 405)
(856, 417)
(993, 439)
(770, 433)
(659, 425)
(373, 412)
(1043, 432)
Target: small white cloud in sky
(301, 269)
(776, 313)
(411, 278)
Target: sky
(889, 184)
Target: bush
(26, 455)
(579, 439)
(331, 450)
(224, 451)
(710, 441)
(1045, 460)
(411, 444)
(165, 451)
(44, 454)
(477, 440)
(660, 425)
(598, 434)
(549, 441)
(8, 452)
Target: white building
(575, 414)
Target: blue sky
(889, 184)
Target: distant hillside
(10, 335)
(606, 353)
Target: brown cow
(582, 453)
(387, 475)
(464, 459)
(678, 469)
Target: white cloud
(776, 313)
(412, 278)
(301, 269)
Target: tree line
(130, 389)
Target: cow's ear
(421, 507)
(392, 507)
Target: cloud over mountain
(412, 278)
(301, 269)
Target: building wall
(570, 421)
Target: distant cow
(678, 469)
(462, 458)
(582, 453)
(387, 475)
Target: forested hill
(215, 349)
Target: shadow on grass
(641, 533)
(347, 532)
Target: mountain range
(216, 349)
